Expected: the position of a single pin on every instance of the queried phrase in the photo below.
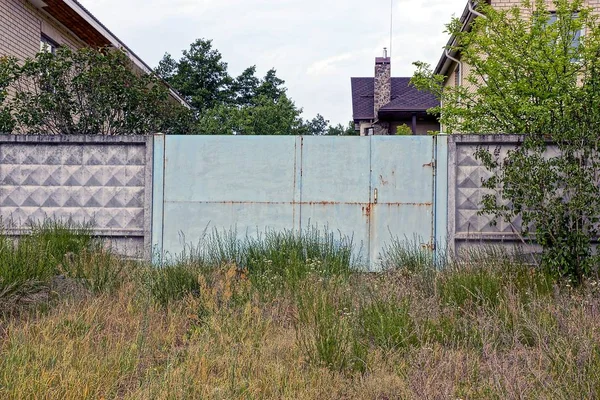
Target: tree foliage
(242, 105)
(533, 73)
(245, 105)
(200, 75)
(341, 130)
(317, 126)
(101, 92)
(245, 87)
(8, 69)
(404, 130)
(84, 92)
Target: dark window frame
(457, 76)
(580, 33)
(51, 44)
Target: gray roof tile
(405, 97)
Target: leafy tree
(219, 120)
(531, 73)
(268, 117)
(8, 70)
(200, 75)
(317, 126)
(340, 130)
(85, 92)
(271, 86)
(245, 105)
(245, 87)
(263, 117)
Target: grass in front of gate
(287, 317)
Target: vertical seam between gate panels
(300, 184)
(434, 198)
(371, 205)
(433, 181)
(164, 180)
(295, 172)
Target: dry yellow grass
(230, 342)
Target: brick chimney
(383, 90)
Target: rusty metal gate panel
(223, 182)
(369, 188)
(335, 187)
(402, 186)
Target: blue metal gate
(371, 188)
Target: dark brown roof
(405, 97)
(64, 14)
(73, 15)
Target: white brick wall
(21, 26)
(503, 4)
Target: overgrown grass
(95, 267)
(411, 255)
(29, 262)
(485, 326)
(326, 329)
(169, 283)
(275, 260)
(387, 323)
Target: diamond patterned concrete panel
(465, 179)
(470, 175)
(100, 182)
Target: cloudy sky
(315, 45)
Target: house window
(457, 76)
(578, 34)
(48, 45)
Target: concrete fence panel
(100, 180)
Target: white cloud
(315, 45)
(329, 65)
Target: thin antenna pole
(391, 25)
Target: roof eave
(405, 109)
(117, 43)
(444, 63)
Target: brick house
(450, 64)
(382, 103)
(29, 26)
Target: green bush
(85, 91)
(404, 130)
